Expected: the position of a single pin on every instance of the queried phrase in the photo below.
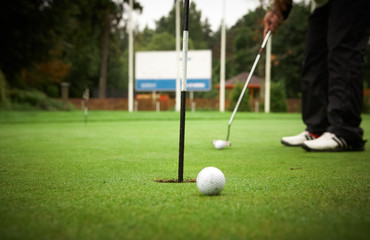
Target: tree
(245, 105)
(4, 95)
(278, 97)
(104, 60)
(112, 16)
(29, 29)
(247, 36)
(83, 42)
(199, 32)
(288, 47)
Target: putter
(183, 91)
(227, 143)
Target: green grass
(62, 179)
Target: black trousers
(332, 86)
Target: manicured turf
(62, 179)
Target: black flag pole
(183, 90)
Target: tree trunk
(104, 60)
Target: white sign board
(157, 70)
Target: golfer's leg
(348, 35)
(314, 82)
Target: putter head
(226, 143)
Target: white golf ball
(219, 144)
(211, 181)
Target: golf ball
(219, 144)
(210, 181)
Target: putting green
(63, 179)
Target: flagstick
(183, 91)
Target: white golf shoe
(297, 140)
(329, 142)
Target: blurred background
(48, 45)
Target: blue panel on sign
(198, 85)
(170, 85)
(155, 84)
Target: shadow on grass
(175, 181)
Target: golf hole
(175, 181)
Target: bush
(366, 104)
(278, 97)
(245, 105)
(34, 99)
(4, 95)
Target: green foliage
(245, 105)
(30, 30)
(199, 32)
(33, 100)
(246, 41)
(213, 93)
(4, 98)
(366, 104)
(162, 41)
(288, 47)
(33, 29)
(278, 97)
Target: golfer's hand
(272, 21)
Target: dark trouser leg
(314, 82)
(348, 34)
